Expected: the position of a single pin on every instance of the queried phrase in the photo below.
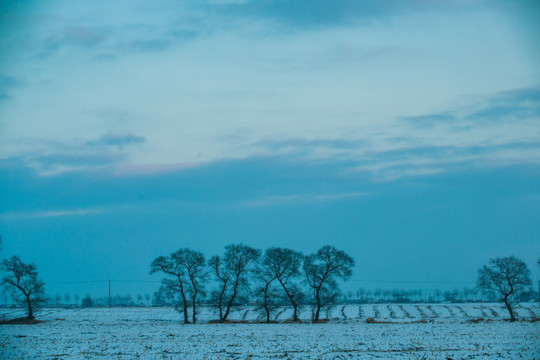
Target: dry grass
(475, 321)
(291, 321)
(266, 322)
(371, 320)
(20, 321)
(229, 322)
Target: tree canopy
(322, 269)
(507, 277)
(22, 282)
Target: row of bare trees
(245, 275)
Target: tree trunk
(186, 319)
(220, 301)
(291, 299)
(194, 306)
(266, 303)
(510, 310)
(30, 312)
(233, 296)
(318, 298)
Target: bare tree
(194, 264)
(175, 284)
(322, 270)
(265, 292)
(507, 277)
(222, 276)
(232, 274)
(23, 283)
(438, 294)
(285, 265)
(87, 301)
(377, 294)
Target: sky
(406, 133)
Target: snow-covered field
(156, 333)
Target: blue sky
(405, 132)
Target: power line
(76, 282)
(353, 280)
(103, 281)
(138, 281)
(413, 281)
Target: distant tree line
(358, 296)
(404, 296)
(246, 276)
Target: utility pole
(109, 293)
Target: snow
(156, 333)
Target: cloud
(56, 163)
(428, 160)
(117, 140)
(75, 36)
(7, 84)
(206, 18)
(108, 152)
(82, 36)
(415, 146)
(277, 200)
(328, 116)
(154, 39)
(112, 41)
(385, 158)
(520, 104)
(313, 148)
(19, 215)
(234, 184)
(53, 157)
(506, 106)
(75, 160)
(109, 39)
(150, 45)
(428, 121)
(309, 14)
(126, 170)
(312, 13)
